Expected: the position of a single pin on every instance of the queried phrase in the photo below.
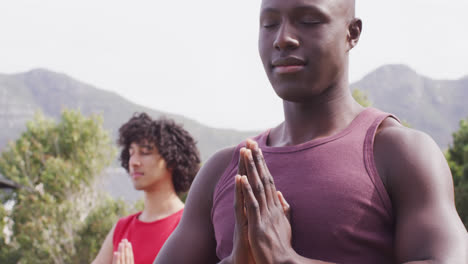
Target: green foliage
(461, 201)
(361, 98)
(457, 156)
(96, 227)
(56, 165)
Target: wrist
(291, 257)
(227, 260)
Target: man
(362, 188)
(162, 160)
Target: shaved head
(346, 8)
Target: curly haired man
(162, 160)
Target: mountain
(433, 106)
(21, 95)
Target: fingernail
(255, 145)
(244, 179)
(242, 151)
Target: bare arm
(107, 249)
(193, 241)
(418, 179)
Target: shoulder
(408, 158)
(123, 223)
(420, 186)
(200, 196)
(402, 140)
(221, 159)
(127, 219)
(400, 145)
(212, 170)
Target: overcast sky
(200, 59)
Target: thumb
(285, 205)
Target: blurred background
(71, 72)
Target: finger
(285, 205)
(251, 203)
(239, 202)
(254, 180)
(129, 253)
(120, 248)
(269, 178)
(262, 171)
(240, 167)
(122, 251)
(116, 258)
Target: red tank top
(147, 238)
(340, 210)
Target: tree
(96, 226)
(457, 156)
(56, 164)
(361, 98)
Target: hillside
(433, 106)
(23, 94)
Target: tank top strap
(375, 120)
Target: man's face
(147, 168)
(303, 45)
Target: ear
(354, 32)
(162, 163)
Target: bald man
(357, 185)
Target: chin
(293, 94)
(138, 187)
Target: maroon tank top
(340, 210)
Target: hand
(269, 230)
(241, 252)
(124, 255)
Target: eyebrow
(149, 147)
(315, 9)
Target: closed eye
(310, 22)
(270, 25)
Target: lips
(289, 64)
(136, 175)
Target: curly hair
(174, 144)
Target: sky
(200, 58)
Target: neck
(321, 116)
(160, 201)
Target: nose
(134, 161)
(286, 38)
